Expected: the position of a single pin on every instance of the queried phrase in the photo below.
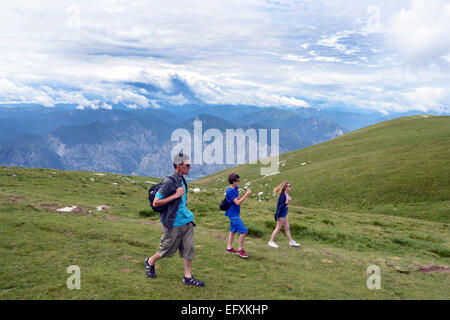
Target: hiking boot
(273, 244)
(193, 282)
(232, 251)
(294, 244)
(149, 269)
(242, 254)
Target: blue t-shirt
(234, 210)
(184, 216)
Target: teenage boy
(233, 212)
(177, 220)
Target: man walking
(177, 220)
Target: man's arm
(164, 196)
(160, 202)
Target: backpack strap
(185, 183)
(184, 180)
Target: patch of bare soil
(112, 218)
(50, 205)
(150, 223)
(14, 198)
(426, 269)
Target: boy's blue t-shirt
(184, 216)
(234, 210)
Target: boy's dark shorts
(178, 238)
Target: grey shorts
(178, 238)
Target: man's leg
(150, 265)
(187, 253)
(168, 246)
(186, 248)
(187, 268)
(154, 258)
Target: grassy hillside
(399, 167)
(339, 242)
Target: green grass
(339, 240)
(399, 167)
(38, 244)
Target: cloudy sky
(390, 56)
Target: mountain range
(138, 142)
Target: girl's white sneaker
(294, 244)
(273, 244)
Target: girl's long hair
(280, 189)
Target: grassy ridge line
(399, 167)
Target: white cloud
(111, 6)
(427, 98)
(134, 33)
(327, 59)
(12, 93)
(421, 33)
(333, 42)
(226, 52)
(94, 105)
(121, 95)
(294, 57)
(177, 100)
